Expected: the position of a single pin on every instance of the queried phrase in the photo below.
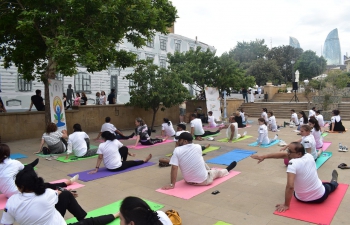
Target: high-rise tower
(331, 49)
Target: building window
(114, 83)
(177, 47)
(131, 85)
(163, 43)
(24, 85)
(82, 83)
(59, 76)
(150, 43)
(0, 82)
(162, 62)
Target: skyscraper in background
(294, 42)
(331, 49)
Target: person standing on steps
(111, 97)
(245, 94)
(70, 96)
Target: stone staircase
(286, 97)
(344, 109)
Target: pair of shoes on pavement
(343, 149)
(182, 123)
(51, 157)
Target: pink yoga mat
(326, 125)
(139, 146)
(316, 213)
(186, 191)
(75, 185)
(326, 144)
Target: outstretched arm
(98, 136)
(98, 163)
(173, 176)
(288, 193)
(277, 155)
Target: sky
(223, 23)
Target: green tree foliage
(265, 70)
(337, 79)
(43, 38)
(284, 56)
(155, 88)
(246, 52)
(317, 84)
(203, 68)
(310, 65)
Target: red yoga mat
(316, 213)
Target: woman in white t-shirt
(263, 133)
(302, 119)
(134, 210)
(308, 141)
(211, 119)
(319, 118)
(103, 98)
(264, 115)
(114, 154)
(54, 139)
(336, 124)
(316, 132)
(167, 128)
(312, 112)
(272, 122)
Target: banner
(213, 102)
(58, 115)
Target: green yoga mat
(111, 209)
(222, 223)
(323, 158)
(210, 149)
(45, 156)
(236, 140)
(73, 158)
(324, 134)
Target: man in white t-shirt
(197, 128)
(294, 117)
(188, 157)
(232, 130)
(107, 126)
(312, 112)
(302, 178)
(79, 143)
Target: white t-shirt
(52, 138)
(264, 115)
(164, 218)
(309, 142)
(272, 122)
(110, 152)
(103, 99)
(263, 135)
(307, 185)
(178, 134)
(294, 118)
(242, 115)
(301, 121)
(335, 118)
(108, 127)
(30, 209)
(211, 121)
(198, 127)
(190, 160)
(318, 138)
(312, 113)
(168, 129)
(77, 143)
(228, 131)
(320, 120)
(8, 169)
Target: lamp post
(285, 76)
(225, 115)
(292, 62)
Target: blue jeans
(329, 188)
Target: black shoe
(231, 166)
(34, 163)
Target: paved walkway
(248, 198)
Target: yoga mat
(207, 127)
(324, 134)
(100, 141)
(255, 144)
(326, 144)
(235, 140)
(210, 149)
(75, 185)
(323, 158)
(213, 135)
(3, 201)
(244, 127)
(18, 156)
(235, 155)
(316, 213)
(112, 209)
(187, 191)
(73, 158)
(326, 125)
(139, 146)
(222, 223)
(45, 156)
(103, 172)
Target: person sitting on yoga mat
(263, 133)
(167, 128)
(302, 119)
(244, 115)
(211, 120)
(143, 134)
(188, 157)
(55, 140)
(293, 118)
(336, 124)
(272, 122)
(79, 143)
(108, 126)
(316, 132)
(232, 130)
(135, 211)
(239, 120)
(319, 118)
(308, 141)
(312, 112)
(302, 179)
(197, 128)
(264, 115)
(114, 155)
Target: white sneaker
(75, 178)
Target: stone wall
(23, 125)
(270, 90)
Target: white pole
(225, 115)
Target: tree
(265, 70)
(43, 38)
(310, 65)
(337, 80)
(155, 88)
(284, 55)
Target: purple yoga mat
(103, 172)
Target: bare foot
(116, 215)
(207, 146)
(148, 158)
(199, 139)
(165, 138)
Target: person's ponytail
(28, 181)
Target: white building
(16, 92)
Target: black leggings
(127, 164)
(151, 141)
(99, 220)
(329, 188)
(207, 133)
(66, 201)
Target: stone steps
(286, 97)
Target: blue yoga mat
(18, 156)
(254, 144)
(323, 158)
(235, 155)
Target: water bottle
(340, 146)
